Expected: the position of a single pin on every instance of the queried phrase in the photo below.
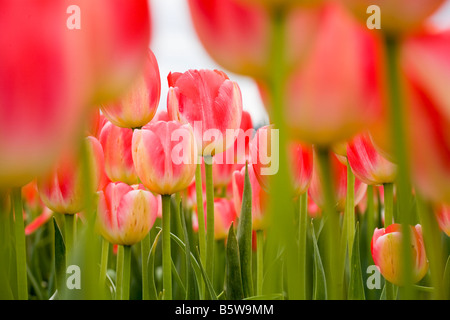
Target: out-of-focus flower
(138, 105)
(116, 144)
(237, 35)
(42, 219)
(63, 189)
(125, 213)
(161, 116)
(96, 123)
(282, 3)
(397, 16)
(224, 215)
(301, 160)
(30, 196)
(443, 217)
(367, 164)
(259, 197)
(339, 177)
(164, 155)
(386, 250)
(206, 99)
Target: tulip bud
(224, 216)
(63, 189)
(367, 164)
(443, 217)
(164, 155)
(210, 102)
(386, 250)
(116, 144)
(125, 213)
(138, 105)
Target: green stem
(350, 210)
(145, 251)
(331, 227)
(119, 272)
(370, 215)
(388, 220)
(167, 257)
(201, 214)
(69, 229)
(259, 262)
(209, 218)
(21, 253)
(398, 134)
(104, 262)
(126, 273)
(302, 236)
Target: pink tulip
(63, 189)
(367, 164)
(161, 116)
(96, 123)
(339, 173)
(116, 144)
(224, 216)
(39, 221)
(259, 197)
(386, 250)
(238, 35)
(443, 217)
(301, 160)
(125, 213)
(30, 196)
(397, 16)
(138, 105)
(325, 105)
(210, 102)
(44, 88)
(164, 155)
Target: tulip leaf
(356, 287)
(191, 288)
(177, 278)
(153, 295)
(208, 283)
(447, 278)
(244, 237)
(320, 283)
(59, 254)
(234, 289)
(274, 296)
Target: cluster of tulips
(353, 169)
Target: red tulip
(125, 213)
(367, 164)
(210, 102)
(116, 144)
(443, 217)
(237, 35)
(301, 160)
(96, 123)
(63, 189)
(164, 155)
(138, 105)
(339, 173)
(41, 220)
(224, 216)
(259, 197)
(386, 250)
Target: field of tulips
(111, 190)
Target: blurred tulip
(161, 116)
(386, 250)
(397, 16)
(237, 35)
(138, 105)
(63, 189)
(206, 100)
(281, 3)
(42, 219)
(259, 197)
(96, 123)
(339, 172)
(443, 218)
(301, 160)
(367, 164)
(224, 215)
(242, 142)
(125, 213)
(30, 196)
(324, 105)
(116, 144)
(165, 164)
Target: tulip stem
(119, 272)
(145, 251)
(388, 220)
(370, 215)
(350, 210)
(126, 272)
(259, 262)
(21, 254)
(104, 262)
(331, 227)
(69, 229)
(201, 214)
(167, 256)
(209, 218)
(398, 134)
(302, 236)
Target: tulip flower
(301, 157)
(63, 189)
(259, 197)
(164, 155)
(367, 164)
(116, 144)
(225, 212)
(236, 34)
(39, 221)
(339, 172)
(443, 217)
(397, 16)
(125, 213)
(96, 123)
(138, 105)
(161, 116)
(210, 102)
(386, 250)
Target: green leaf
(191, 288)
(320, 283)
(208, 283)
(447, 277)
(356, 287)
(244, 237)
(274, 296)
(151, 267)
(59, 254)
(234, 289)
